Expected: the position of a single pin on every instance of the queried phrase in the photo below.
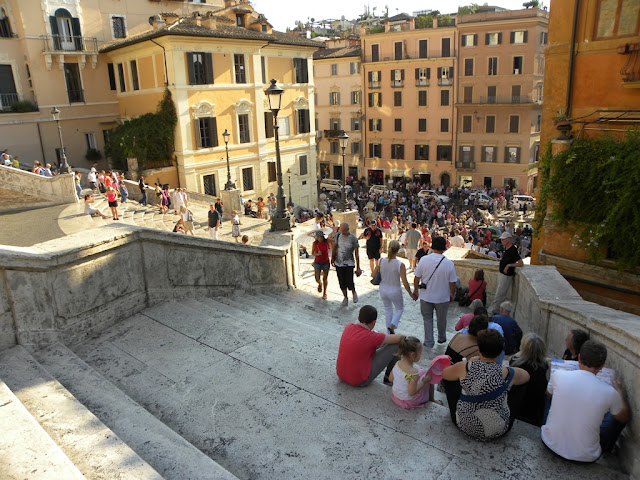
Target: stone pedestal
(230, 202)
(350, 216)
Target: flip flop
(324, 297)
(320, 288)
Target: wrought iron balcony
(465, 165)
(505, 99)
(332, 133)
(69, 44)
(422, 82)
(445, 81)
(7, 99)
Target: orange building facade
(593, 77)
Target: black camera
(422, 286)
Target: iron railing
(505, 99)
(466, 165)
(69, 43)
(7, 99)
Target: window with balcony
(489, 154)
(206, 132)
(490, 124)
(514, 123)
(422, 98)
(423, 48)
(334, 98)
(375, 53)
(397, 77)
(356, 97)
(303, 121)
(334, 69)
(355, 124)
(493, 38)
(423, 75)
(422, 124)
(375, 150)
(375, 99)
(517, 65)
(200, 67)
(135, 82)
(493, 66)
(397, 48)
(300, 70)
(445, 75)
(465, 158)
(244, 129)
(468, 67)
(468, 95)
(397, 151)
(444, 125)
(422, 152)
(74, 83)
(239, 68)
(247, 178)
(443, 152)
(516, 90)
(65, 31)
(470, 40)
(397, 99)
(374, 79)
(466, 123)
(118, 27)
(491, 94)
(519, 37)
(397, 124)
(511, 154)
(334, 124)
(375, 124)
(444, 98)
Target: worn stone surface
(58, 189)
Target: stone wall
(545, 303)
(68, 291)
(59, 189)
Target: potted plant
(563, 124)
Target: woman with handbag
(392, 272)
(477, 287)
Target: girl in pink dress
(411, 387)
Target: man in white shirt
(575, 429)
(457, 240)
(438, 275)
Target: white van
(333, 185)
(382, 189)
(519, 201)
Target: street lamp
(290, 202)
(230, 185)
(343, 138)
(55, 113)
(280, 221)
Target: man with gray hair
(507, 270)
(343, 253)
(511, 331)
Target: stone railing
(67, 290)
(59, 189)
(545, 303)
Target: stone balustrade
(59, 189)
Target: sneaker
(355, 297)
(442, 341)
(345, 302)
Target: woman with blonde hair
(532, 357)
(393, 275)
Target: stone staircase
(240, 386)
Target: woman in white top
(392, 272)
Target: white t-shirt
(437, 290)
(457, 241)
(579, 404)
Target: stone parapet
(58, 190)
(69, 290)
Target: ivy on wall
(149, 137)
(593, 187)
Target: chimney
(157, 22)
(197, 18)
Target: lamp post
(290, 202)
(55, 113)
(343, 138)
(280, 221)
(229, 185)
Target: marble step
(92, 447)
(27, 451)
(166, 451)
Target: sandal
(324, 297)
(320, 288)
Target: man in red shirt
(364, 353)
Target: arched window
(5, 26)
(66, 31)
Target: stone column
(230, 201)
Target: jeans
(143, 200)
(379, 362)
(426, 309)
(79, 191)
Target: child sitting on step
(411, 387)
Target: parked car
(333, 185)
(383, 189)
(433, 194)
(480, 199)
(519, 200)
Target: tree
(468, 9)
(424, 21)
(531, 4)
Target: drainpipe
(164, 55)
(574, 28)
(41, 145)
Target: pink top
(464, 321)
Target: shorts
(373, 252)
(113, 204)
(323, 267)
(410, 253)
(188, 225)
(93, 185)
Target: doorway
(445, 180)
(376, 177)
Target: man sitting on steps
(363, 352)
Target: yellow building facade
(49, 56)
(217, 66)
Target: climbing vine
(149, 137)
(593, 188)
